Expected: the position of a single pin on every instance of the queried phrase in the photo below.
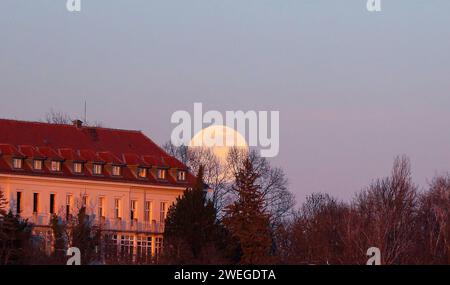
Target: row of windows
(37, 164)
(138, 246)
(101, 207)
(97, 169)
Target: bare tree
(433, 227)
(315, 234)
(386, 215)
(220, 177)
(216, 173)
(179, 152)
(58, 117)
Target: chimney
(77, 123)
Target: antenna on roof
(85, 111)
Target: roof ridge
(69, 125)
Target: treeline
(250, 219)
(407, 225)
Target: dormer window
(37, 164)
(17, 163)
(97, 169)
(142, 172)
(116, 170)
(55, 166)
(181, 175)
(162, 174)
(77, 167)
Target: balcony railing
(134, 225)
(40, 219)
(109, 224)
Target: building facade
(123, 179)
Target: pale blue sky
(353, 89)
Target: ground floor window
(127, 245)
(44, 239)
(158, 246)
(144, 249)
(134, 248)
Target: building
(125, 181)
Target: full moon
(219, 139)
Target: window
(163, 212)
(144, 248)
(37, 164)
(133, 210)
(117, 211)
(19, 203)
(101, 207)
(158, 245)
(162, 174)
(69, 201)
(52, 203)
(97, 169)
(55, 165)
(77, 167)
(126, 245)
(181, 175)
(85, 201)
(115, 241)
(45, 238)
(35, 203)
(148, 211)
(116, 170)
(142, 172)
(17, 163)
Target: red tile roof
(90, 155)
(110, 158)
(49, 153)
(70, 154)
(7, 149)
(84, 144)
(30, 151)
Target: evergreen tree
(85, 237)
(246, 218)
(191, 229)
(15, 236)
(15, 240)
(59, 238)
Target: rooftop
(77, 143)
